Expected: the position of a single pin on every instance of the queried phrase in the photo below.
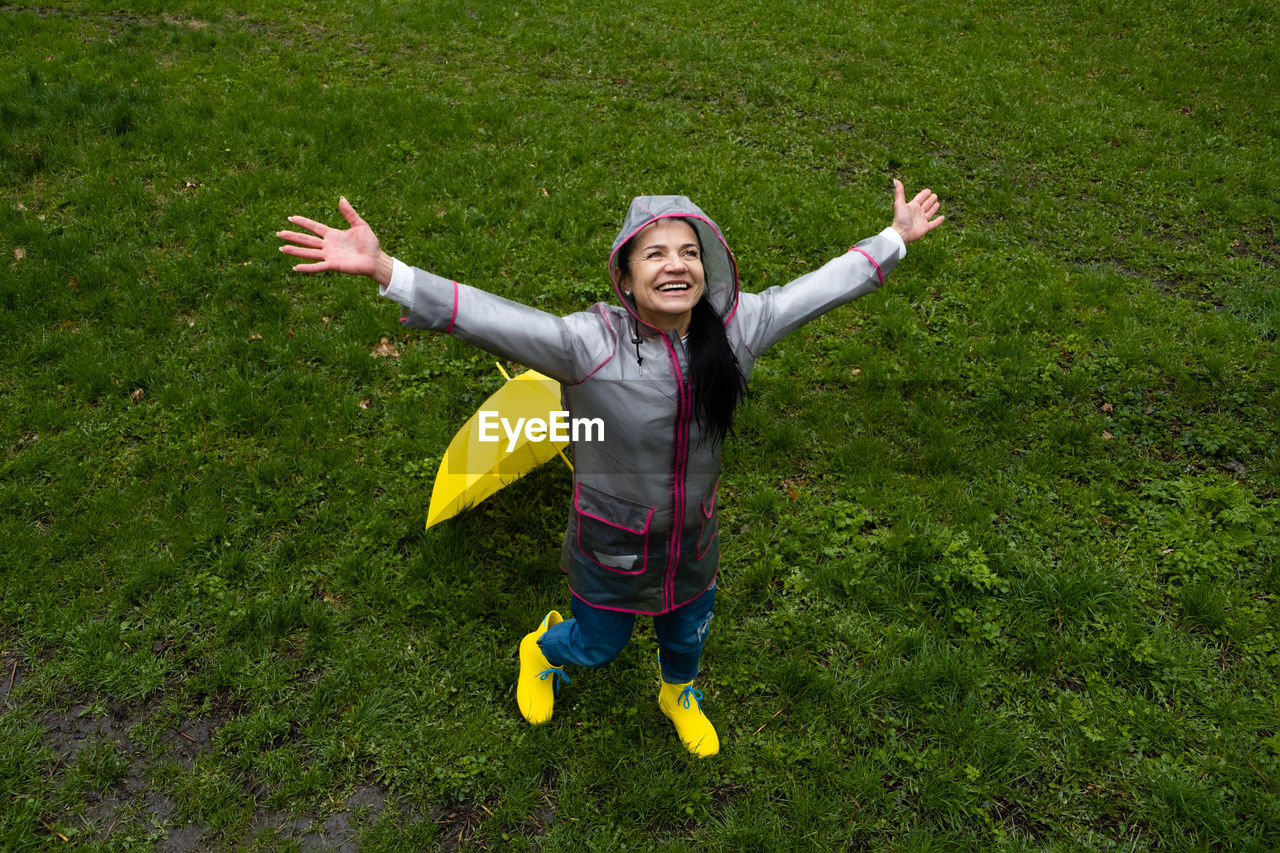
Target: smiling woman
(663, 371)
(662, 272)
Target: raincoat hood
(717, 261)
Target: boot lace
(564, 676)
(685, 695)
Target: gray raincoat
(642, 534)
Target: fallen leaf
(385, 349)
(544, 192)
(365, 403)
(1166, 551)
(1108, 408)
(137, 394)
(1106, 436)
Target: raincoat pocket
(710, 526)
(613, 533)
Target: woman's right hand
(914, 219)
(354, 250)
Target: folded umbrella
(491, 450)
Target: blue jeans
(594, 636)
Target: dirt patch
(1014, 816)
(181, 839)
(109, 782)
(10, 676)
(1180, 287)
(538, 823)
(187, 741)
(108, 17)
(460, 821)
(69, 730)
(114, 772)
(338, 831)
(1259, 243)
(1174, 284)
(93, 747)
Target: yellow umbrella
(500, 443)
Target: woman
(665, 371)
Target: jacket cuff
(400, 288)
(892, 234)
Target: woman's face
(665, 276)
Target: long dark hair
(715, 377)
(714, 372)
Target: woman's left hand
(916, 218)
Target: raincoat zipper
(679, 472)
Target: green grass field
(1001, 567)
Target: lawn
(1001, 558)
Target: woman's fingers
(318, 228)
(349, 213)
(929, 205)
(308, 240)
(300, 252)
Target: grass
(1003, 570)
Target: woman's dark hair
(715, 377)
(717, 380)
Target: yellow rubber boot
(683, 706)
(537, 685)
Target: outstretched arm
(765, 318)
(353, 250)
(914, 219)
(566, 349)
